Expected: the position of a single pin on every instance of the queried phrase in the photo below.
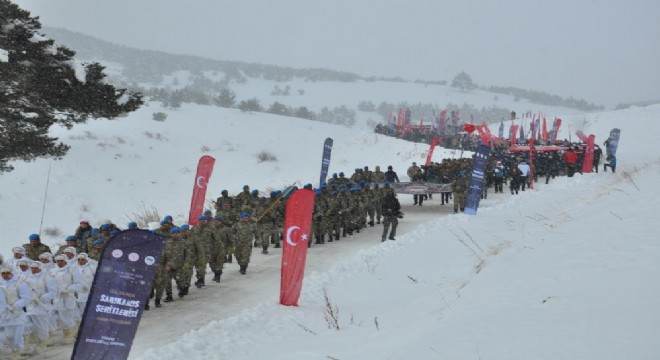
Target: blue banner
(613, 142)
(120, 290)
(325, 163)
(477, 180)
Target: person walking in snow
(524, 174)
(14, 296)
(391, 209)
(243, 237)
(390, 175)
(611, 163)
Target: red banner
(204, 170)
(297, 227)
(429, 156)
(588, 159)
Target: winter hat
(35, 264)
(168, 218)
(245, 187)
(18, 249)
(82, 256)
(46, 255)
(255, 192)
(184, 227)
(219, 218)
(202, 217)
(114, 232)
(6, 270)
(96, 231)
(71, 238)
(245, 215)
(207, 211)
(174, 230)
(34, 237)
(70, 249)
(61, 257)
(225, 192)
(132, 225)
(273, 193)
(98, 241)
(22, 262)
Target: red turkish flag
(204, 170)
(297, 227)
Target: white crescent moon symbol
(199, 181)
(288, 235)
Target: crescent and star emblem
(199, 181)
(289, 231)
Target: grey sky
(604, 51)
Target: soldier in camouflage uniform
(459, 189)
(186, 271)
(318, 221)
(345, 209)
(159, 280)
(378, 176)
(243, 235)
(377, 194)
(371, 202)
(35, 247)
(224, 207)
(217, 250)
(367, 175)
(175, 256)
(70, 241)
(261, 227)
(269, 218)
(332, 217)
(244, 199)
(96, 250)
(357, 176)
(202, 235)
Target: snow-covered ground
(567, 271)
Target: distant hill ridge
(161, 64)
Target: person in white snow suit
(15, 296)
(44, 290)
(64, 304)
(83, 276)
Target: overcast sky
(604, 51)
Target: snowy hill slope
(561, 270)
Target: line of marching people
(44, 293)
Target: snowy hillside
(562, 272)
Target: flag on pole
(297, 232)
(204, 170)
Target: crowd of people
(44, 292)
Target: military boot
(228, 258)
(277, 245)
(264, 251)
(199, 283)
(168, 298)
(243, 269)
(217, 275)
(146, 306)
(157, 302)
